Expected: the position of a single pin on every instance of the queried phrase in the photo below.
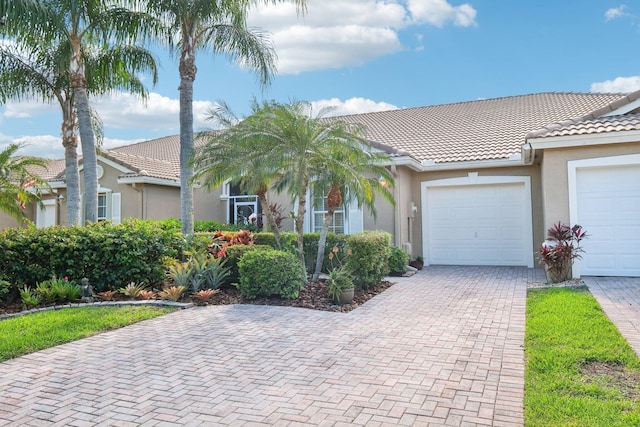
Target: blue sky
(371, 55)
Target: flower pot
(417, 264)
(346, 296)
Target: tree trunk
(262, 196)
(334, 200)
(187, 76)
(87, 138)
(302, 203)
(72, 175)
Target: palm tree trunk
(72, 175)
(262, 196)
(87, 138)
(334, 200)
(322, 243)
(187, 76)
(302, 203)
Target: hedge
(369, 258)
(108, 255)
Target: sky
(373, 55)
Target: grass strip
(26, 334)
(580, 371)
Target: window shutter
(355, 218)
(115, 208)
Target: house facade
(477, 183)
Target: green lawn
(580, 370)
(25, 334)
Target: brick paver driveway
(619, 298)
(441, 348)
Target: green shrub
(211, 226)
(271, 272)
(5, 286)
(398, 260)
(58, 291)
(235, 254)
(311, 248)
(108, 255)
(369, 258)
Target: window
(240, 206)
(102, 207)
(320, 209)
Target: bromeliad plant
(560, 249)
(340, 277)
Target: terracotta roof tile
(592, 126)
(476, 130)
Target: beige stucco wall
(412, 193)
(554, 172)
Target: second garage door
(478, 224)
(608, 207)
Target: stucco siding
(555, 175)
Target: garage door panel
(608, 207)
(477, 225)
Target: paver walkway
(619, 297)
(441, 348)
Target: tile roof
(54, 169)
(476, 130)
(619, 123)
(487, 129)
(157, 158)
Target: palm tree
(355, 173)
(289, 146)
(231, 154)
(76, 22)
(41, 72)
(19, 184)
(221, 27)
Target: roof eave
(514, 160)
(563, 141)
(148, 180)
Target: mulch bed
(313, 296)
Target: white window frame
(314, 212)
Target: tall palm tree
(77, 22)
(19, 184)
(219, 26)
(41, 72)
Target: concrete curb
(180, 305)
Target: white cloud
(439, 12)
(615, 12)
(159, 113)
(28, 108)
(47, 146)
(351, 106)
(306, 49)
(339, 33)
(617, 85)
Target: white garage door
(608, 207)
(479, 225)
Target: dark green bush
(271, 272)
(369, 258)
(311, 248)
(108, 255)
(398, 260)
(235, 254)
